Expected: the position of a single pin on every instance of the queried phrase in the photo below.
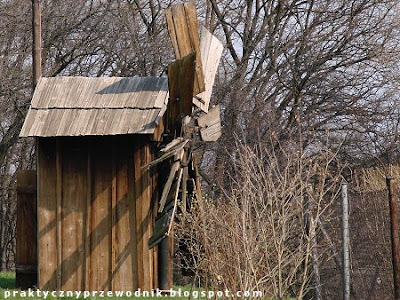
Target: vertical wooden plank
(58, 211)
(47, 214)
(193, 27)
(173, 104)
(154, 203)
(132, 213)
(124, 238)
(146, 219)
(87, 220)
(139, 204)
(172, 32)
(100, 216)
(114, 239)
(183, 30)
(211, 50)
(180, 84)
(143, 194)
(73, 202)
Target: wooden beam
(37, 42)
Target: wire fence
(371, 271)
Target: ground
(7, 282)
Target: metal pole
(345, 242)
(315, 262)
(309, 226)
(37, 42)
(163, 264)
(394, 230)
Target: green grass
(7, 283)
(7, 280)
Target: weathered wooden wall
(96, 211)
(26, 248)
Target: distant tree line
(308, 74)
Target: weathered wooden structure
(104, 209)
(96, 206)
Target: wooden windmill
(96, 145)
(188, 117)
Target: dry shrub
(261, 235)
(374, 179)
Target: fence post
(394, 230)
(345, 242)
(310, 224)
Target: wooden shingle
(78, 106)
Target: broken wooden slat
(185, 176)
(160, 228)
(183, 31)
(210, 125)
(211, 50)
(170, 179)
(199, 194)
(172, 144)
(163, 224)
(173, 151)
(168, 185)
(187, 133)
(175, 201)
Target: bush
(261, 235)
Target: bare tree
(316, 67)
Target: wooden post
(394, 230)
(345, 242)
(26, 246)
(37, 42)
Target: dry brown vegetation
(323, 68)
(261, 235)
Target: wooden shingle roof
(76, 106)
